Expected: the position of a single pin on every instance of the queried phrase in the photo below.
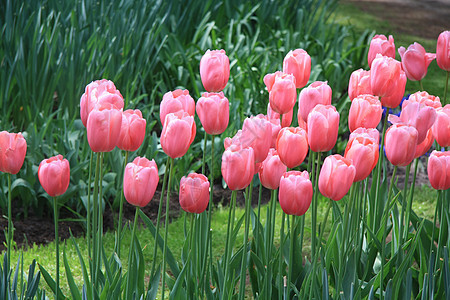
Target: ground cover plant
(374, 246)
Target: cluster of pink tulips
(267, 145)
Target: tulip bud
(238, 167)
(415, 61)
(364, 153)
(295, 193)
(365, 111)
(441, 126)
(336, 177)
(380, 44)
(178, 134)
(178, 100)
(323, 126)
(443, 50)
(99, 93)
(140, 180)
(213, 111)
(400, 144)
(292, 146)
(214, 70)
(316, 93)
(359, 84)
(282, 91)
(13, 148)
(132, 131)
(439, 170)
(103, 128)
(194, 193)
(298, 63)
(54, 175)
(271, 170)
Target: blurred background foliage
(50, 50)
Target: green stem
(258, 216)
(158, 219)
(119, 227)
(438, 204)
(248, 207)
(10, 225)
(95, 263)
(446, 89)
(411, 197)
(166, 230)
(421, 85)
(129, 289)
(441, 227)
(55, 216)
(270, 230)
(404, 197)
(291, 256)
(100, 216)
(88, 208)
(228, 245)
(191, 255)
(315, 176)
(210, 206)
(205, 142)
(280, 260)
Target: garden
(221, 150)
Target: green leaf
(72, 286)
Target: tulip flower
(323, 126)
(213, 111)
(178, 100)
(271, 170)
(178, 134)
(99, 93)
(132, 131)
(365, 111)
(140, 180)
(238, 167)
(443, 51)
(214, 70)
(282, 91)
(426, 99)
(439, 170)
(103, 128)
(286, 119)
(13, 148)
(415, 61)
(194, 193)
(423, 147)
(54, 175)
(381, 45)
(359, 84)
(318, 92)
(292, 146)
(384, 75)
(298, 63)
(441, 127)
(418, 115)
(295, 193)
(372, 133)
(400, 144)
(276, 127)
(394, 98)
(363, 151)
(336, 177)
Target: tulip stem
(315, 176)
(291, 256)
(421, 85)
(128, 290)
(95, 262)
(158, 220)
(166, 230)
(55, 216)
(205, 143)
(270, 228)
(446, 89)
(119, 227)
(88, 208)
(10, 226)
(411, 196)
(248, 207)
(228, 246)
(438, 203)
(404, 201)
(190, 261)
(280, 260)
(441, 227)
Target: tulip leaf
(72, 286)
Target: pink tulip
(140, 180)
(238, 167)
(423, 147)
(336, 177)
(178, 100)
(394, 99)
(384, 75)
(214, 70)
(372, 133)
(443, 50)
(426, 99)
(54, 175)
(380, 44)
(363, 151)
(441, 127)
(276, 127)
(418, 115)
(292, 146)
(103, 128)
(194, 193)
(365, 111)
(359, 84)
(13, 148)
(178, 134)
(318, 92)
(400, 144)
(298, 63)
(323, 126)
(286, 119)
(415, 61)
(213, 111)
(132, 131)
(282, 91)
(271, 170)
(295, 192)
(99, 93)
(439, 170)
